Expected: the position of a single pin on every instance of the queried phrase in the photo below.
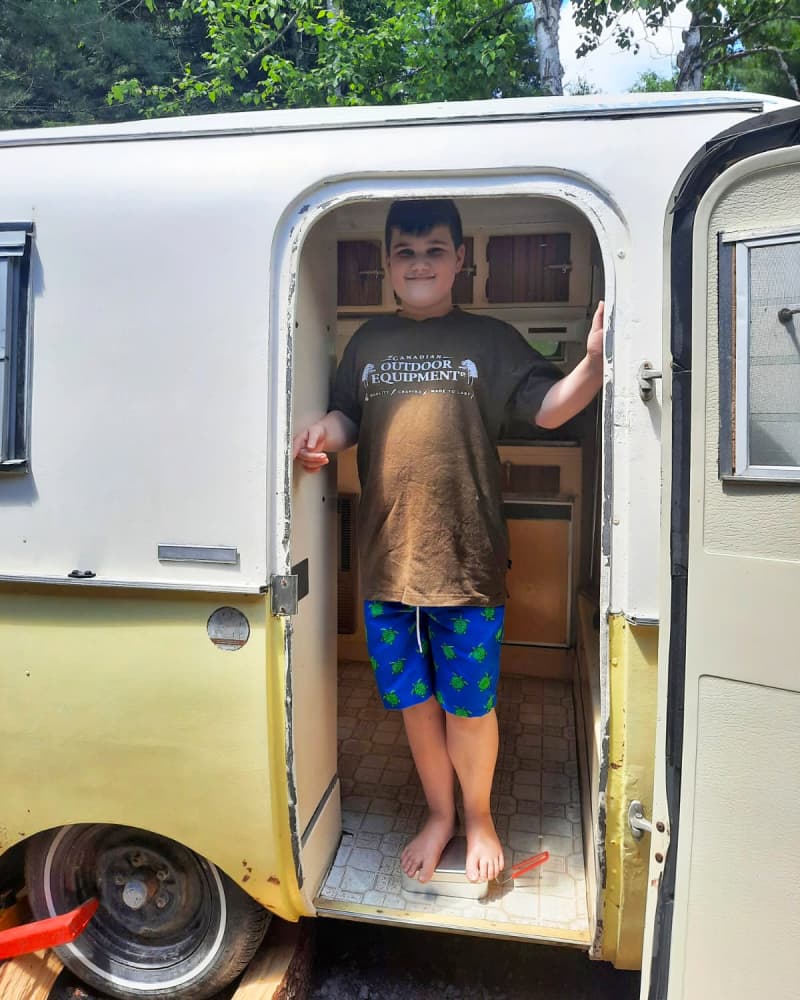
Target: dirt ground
(368, 962)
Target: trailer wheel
(170, 924)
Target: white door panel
(724, 904)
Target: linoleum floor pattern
(535, 802)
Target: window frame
(734, 357)
(15, 350)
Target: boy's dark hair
(417, 216)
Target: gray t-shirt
(429, 397)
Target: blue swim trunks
(459, 661)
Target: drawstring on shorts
(419, 637)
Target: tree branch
(743, 53)
(495, 13)
(259, 55)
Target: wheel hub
(142, 890)
(135, 894)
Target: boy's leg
(465, 643)
(404, 675)
(472, 746)
(425, 728)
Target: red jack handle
(521, 867)
(47, 933)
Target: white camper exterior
(168, 585)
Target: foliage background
(78, 61)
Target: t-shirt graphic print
(433, 371)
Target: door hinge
(289, 589)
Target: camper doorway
(536, 263)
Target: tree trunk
(690, 58)
(545, 26)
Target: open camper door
(723, 915)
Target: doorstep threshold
(481, 927)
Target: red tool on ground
(523, 867)
(47, 933)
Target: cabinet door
(360, 275)
(534, 267)
(463, 288)
(539, 579)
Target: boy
(424, 392)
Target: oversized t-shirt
(429, 397)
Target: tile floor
(536, 804)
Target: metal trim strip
(225, 554)
(574, 114)
(64, 581)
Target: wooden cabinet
(464, 287)
(539, 580)
(360, 273)
(539, 268)
(529, 267)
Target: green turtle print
(454, 658)
(460, 625)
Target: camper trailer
(189, 728)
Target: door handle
(647, 375)
(636, 821)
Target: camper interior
(536, 263)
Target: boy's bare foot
(484, 854)
(421, 856)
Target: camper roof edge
(454, 112)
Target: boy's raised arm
(334, 432)
(577, 389)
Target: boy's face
(422, 270)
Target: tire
(170, 924)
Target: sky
(612, 70)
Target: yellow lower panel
(117, 708)
(633, 651)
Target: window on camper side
(14, 271)
(760, 357)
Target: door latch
(647, 375)
(636, 821)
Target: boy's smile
(422, 270)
